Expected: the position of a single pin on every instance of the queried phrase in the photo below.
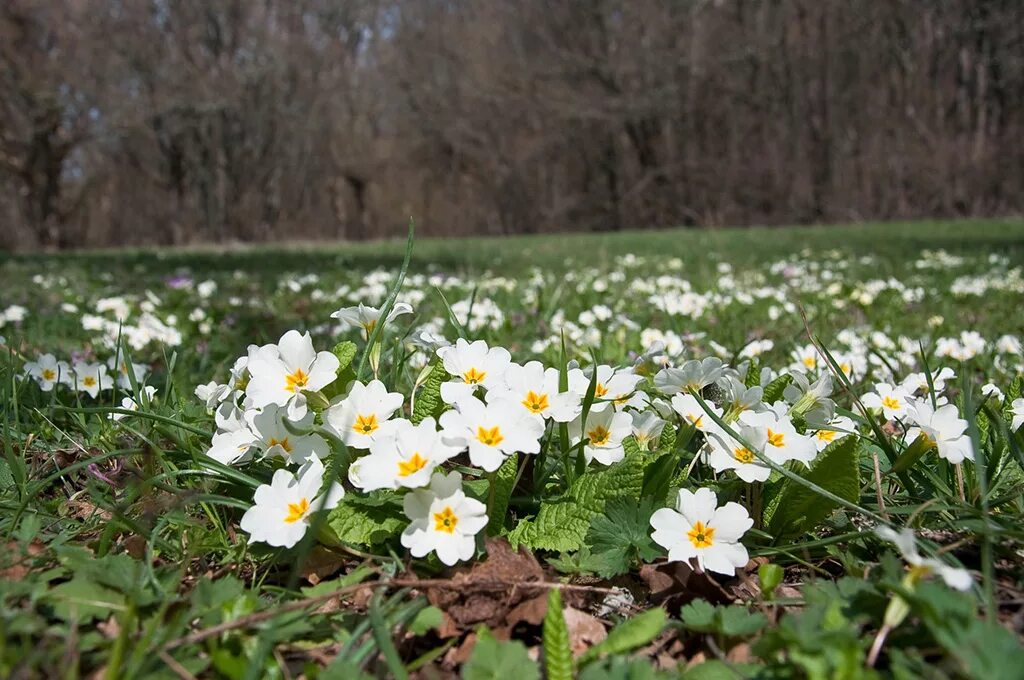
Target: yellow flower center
(89, 381)
(810, 362)
(283, 443)
(366, 424)
(826, 435)
(743, 455)
(599, 436)
(445, 520)
(473, 376)
(776, 439)
(491, 437)
(891, 403)
(296, 511)
(701, 535)
(414, 464)
(536, 403)
(49, 375)
(696, 421)
(370, 325)
(600, 390)
(846, 368)
(296, 380)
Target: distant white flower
(805, 359)
(443, 520)
(91, 378)
(213, 393)
(943, 427)
(296, 367)
(647, 428)
(357, 419)
(958, 579)
(367, 318)
(49, 372)
(119, 367)
(405, 456)
(604, 431)
(276, 440)
(536, 390)
(1017, 409)
(1008, 344)
(690, 410)
(129, 403)
(991, 390)
(698, 528)
(614, 387)
(917, 383)
(836, 429)
(893, 401)
(282, 508)
(473, 364)
(492, 431)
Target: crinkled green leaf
(495, 660)
(773, 390)
(428, 401)
(628, 635)
(557, 653)
(365, 525)
(503, 479)
(622, 535)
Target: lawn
(789, 452)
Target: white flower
(604, 431)
(365, 317)
(492, 431)
(689, 409)
(443, 520)
(917, 383)
(1017, 409)
(283, 507)
(647, 428)
(536, 390)
(693, 375)
(943, 427)
(699, 528)
(472, 364)
(805, 359)
(91, 378)
(129, 403)
(213, 393)
(296, 367)
(892, 400)
(991, 390)
(277, 440)
(357, 419)
(48, 372)
(405, 456)
(615, 387)
(782, 442)
(958, 579)
(726, 453)
(233, 446)
(837, 428)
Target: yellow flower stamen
(445, 520)
(283, 443)
(491, 437)
(49, 375)
(295, 381)
(826, 435)
(414, 464)
(810, 362)
(536, 403)
(297, 511)
(89, 381)
(743, 455)
(891, 403)
(366, 424)
(701, 535)
(474, 376)
(599, 436)
(776, 439)
(600, 390)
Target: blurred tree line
(177, 121)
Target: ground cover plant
(787, 453)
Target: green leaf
(624, 668)
(427, 619)
(773, 390)
(770, 576)
(562, 523)
(80, 600)
(583, 561)
(365, 525)
(557, 653)
(621, 536)
(628, 635)
(753, 376)
(799, 509)
(346, 353)
(503, 479)
(699, 615)
(494, 660)
(731, 621)
(428, 401)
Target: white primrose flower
(942, 427)
(492, 431)
(604, 431)
(647, 428)
(698, 528)
(991, 390)
(91, 378)
(119, 366)
(893, 401)
(129, 403)
(443, 520)
(283, 507)
(958, 579)
(296, 367)
(615, 387)
(48, 372)
(805, 359)
(782, 442)
(917, 383)
(233, 446)
(726, 453)
(835, 429)
(1017, 410)
(472, 364)
(276, 440)
(367, 318)
(213, 393)
(536, 390)
(404, 456)
(358, 417)
(690, 410)
(692, 375)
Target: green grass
(124, 556)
